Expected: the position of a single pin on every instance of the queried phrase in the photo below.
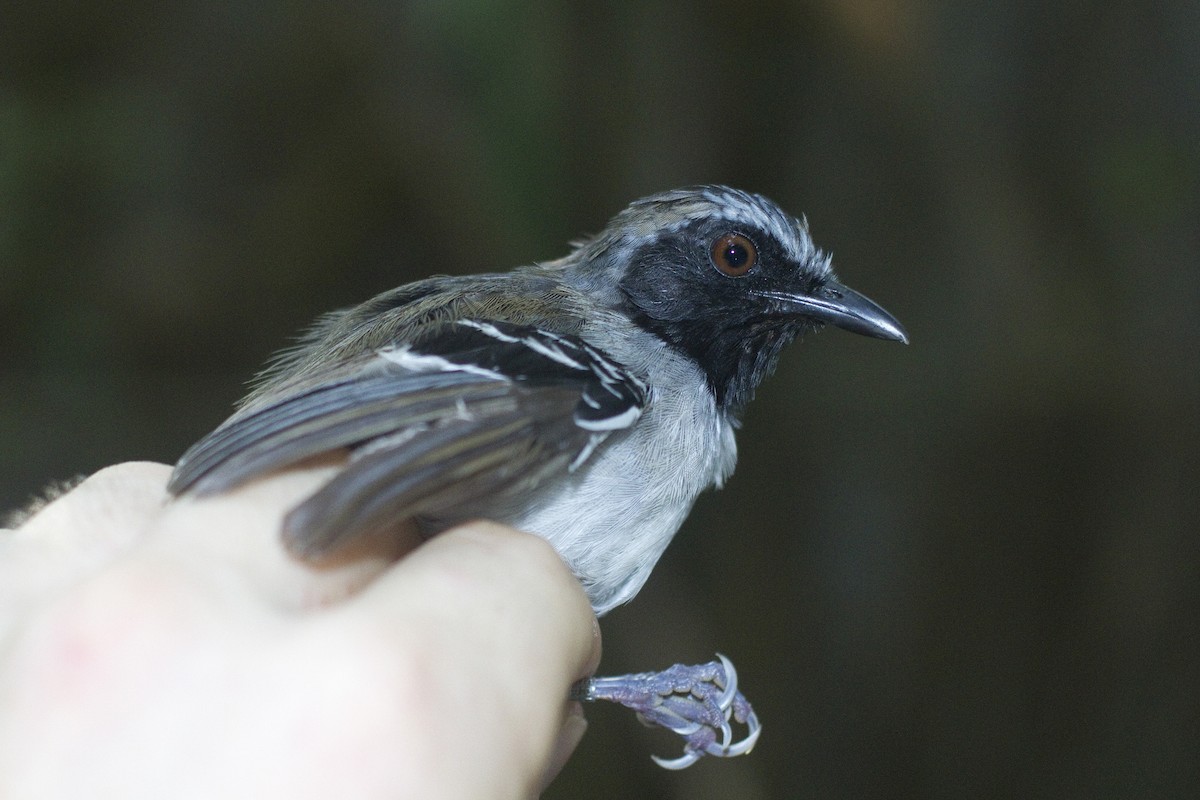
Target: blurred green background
(965, 568)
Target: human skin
(171, 648)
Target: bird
(589, 399)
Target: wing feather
(432, 427)
(328, 417)
(445, 470)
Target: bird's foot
(697, 702)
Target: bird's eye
(734, 254)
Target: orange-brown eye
(734, 254)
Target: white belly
(612, 520)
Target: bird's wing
(478, 408)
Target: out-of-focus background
(965, 568)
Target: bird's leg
(697, 702)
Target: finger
(81, 531)
(241, 529)
(504, 629)
(107, 510)
(510, 586)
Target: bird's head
(725, 276)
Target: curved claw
(742, 747)
(726, 736)
(730, 683)
(673, 723)
(683, 762)
(747, 744)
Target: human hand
(172, 649)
